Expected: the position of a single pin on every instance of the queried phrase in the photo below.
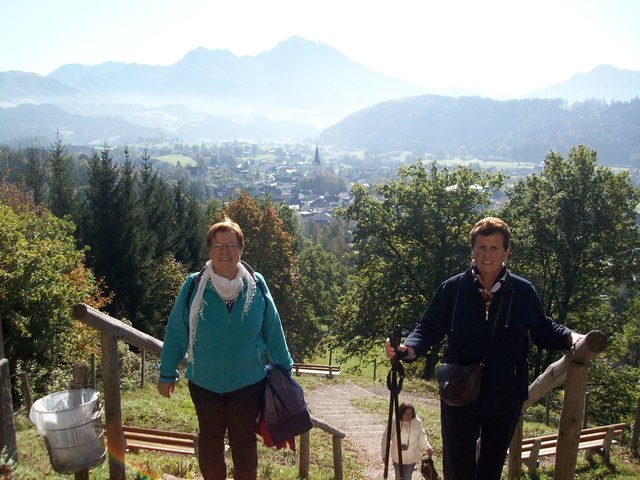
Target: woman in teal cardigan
(224, 320)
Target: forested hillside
(123, 238)
(517, 130)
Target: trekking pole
(395, 378)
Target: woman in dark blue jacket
(464, 310)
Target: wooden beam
(120, 330)
(8, 442)
(587, 348)
(303, 468)
(113, 407)
(79, 380)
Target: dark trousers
(460, 432)
(234, 412)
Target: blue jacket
(521, 314)
(229, 349)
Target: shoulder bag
(459, 384)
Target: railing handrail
(571, 366)
(117, 329)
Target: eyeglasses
(231, 247)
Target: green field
(174, 159)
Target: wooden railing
(571, 369)
(113, 330)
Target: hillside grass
(173, 160)
(145, 408)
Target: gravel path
(332, 404)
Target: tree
(158, 212)
(42, 276)
(131, 262)
(61, 185)
(37, 173)
(99, 218)
(410, 234)
(189, 241)
(322, 279)
(575, 238)
(167, 277)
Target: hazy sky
(496, 47)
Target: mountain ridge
(290, 93)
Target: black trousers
(460, 432)
(233, 413)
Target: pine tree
(98, 219)
(61, 186)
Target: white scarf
(226, 289)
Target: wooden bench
(160, 440)
(328, 371)
(594, 440)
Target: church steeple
(316, 159)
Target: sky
(492, 47)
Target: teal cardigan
(229, 348)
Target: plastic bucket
(70, 423)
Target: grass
(623, 465)
(173, 160)
(145, 408)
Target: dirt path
(332, 404)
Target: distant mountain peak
(603, 82)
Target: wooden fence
(113, 330)
(572, 370)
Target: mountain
(518, 130)
(603, 82)
(287, 94)
(20, 87)
(298, 80)
(40, 122)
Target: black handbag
(428, 469)
(459, 384)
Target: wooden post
(303, 469)
(1, 341)
(570, 422)
(79, 376)
(547, 407)
(113, 407)
(337, 457)
(80, 380)
(7, 427)
(515, 452)
(375, 364)
(636, 431)
(92, 363)
(585, 419)
(142, 354)
(26, 391)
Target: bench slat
(590, 439)
(159, 440)
(312, 368)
